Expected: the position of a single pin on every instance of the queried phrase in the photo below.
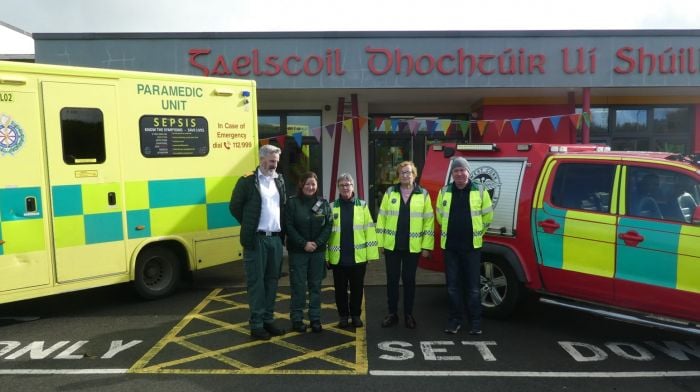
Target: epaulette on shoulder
(248, 174)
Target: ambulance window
(583, 186)
(82, 136)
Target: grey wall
(675, 54)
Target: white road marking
(474, 373)
(62, 371)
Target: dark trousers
(306, 271)
(403, 265)
(262, 271)
(462, 275)
(354, 278)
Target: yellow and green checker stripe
(22, 232)
(669, 257)
(584, 242)
(159, 207)
(166, 207)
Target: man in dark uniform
(257, 203)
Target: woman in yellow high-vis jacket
(464, 211)
(353, 242)
(405, 230)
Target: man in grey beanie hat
(463, 213)
(460, 162)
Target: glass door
(386, 152)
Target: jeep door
(658, 247)
(574, 226)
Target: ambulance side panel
(24, 238)
(182, 156)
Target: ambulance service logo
(488, 177)
(11, 135)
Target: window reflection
(630, 120)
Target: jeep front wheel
(501, 291)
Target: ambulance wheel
(157, 272)
(501, 292)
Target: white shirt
(270, 207)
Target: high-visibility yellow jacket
(421, 220)
(479, 205)
(364, 234)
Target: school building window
(639, 128)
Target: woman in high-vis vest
(353, 242)
(405, 230)
(464, 211)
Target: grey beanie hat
(459, 162)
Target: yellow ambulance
(111, 176)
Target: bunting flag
(317, 134)
(587, 118)
(330, 128)
(264, 142)
(347, 124)
(298, 138)
(499, 126)
(378, 122)
(482, 125)
(394, 125)
(281, 140)
(430, 125)
(462, 127)
(444, 125)
(413, 126)
(363, 121)
(575, 120)
(516, 126)
(536, 122)
(555, 122)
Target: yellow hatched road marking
(149, 363)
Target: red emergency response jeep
(615, 233)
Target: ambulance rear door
(24, 248)
(85, 178)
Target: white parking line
(63, 371)
(469, 373)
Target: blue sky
(322, 15)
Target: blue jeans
(462, 275)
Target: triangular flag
(555, 122)
(317, 133)
(465, 126)
(378, 121)
(297, 138)
(394, 125)
(575, 120)
(431, 125)
(536, 122)
(264, 142)
(516, 126)
(281, 140)
(587, 118)
(363, 121)
(481, 125)
(347, 124)
(413, 126)
(444, 125)
(499, 126)
(330, 129)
